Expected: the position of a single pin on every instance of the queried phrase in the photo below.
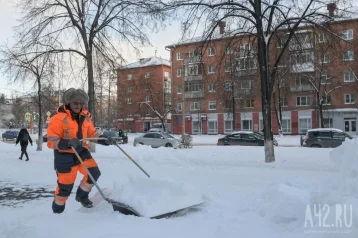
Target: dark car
(243, 138)
(121, 139)
(10, 135)
(324, 138)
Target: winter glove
(110, 141)
(74, 142)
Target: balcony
(193, 59)
(198, 94)
(241, 92)
(301, 88)
(193, 77)
(245, 72)
(167, 90)
(306, 67)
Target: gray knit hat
(75, 95)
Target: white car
(157, 139)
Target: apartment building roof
(145, 62)
(226, 35)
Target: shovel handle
(89, 174)
(129, 157)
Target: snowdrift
(287, 202)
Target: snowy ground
(244, 197)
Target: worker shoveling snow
(154, 198)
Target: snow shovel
(121, 207)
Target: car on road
(243, 138)
(324, 138)
(9, 135)
(157, 139)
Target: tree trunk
(91, 94)
(320, 108)
(266, 87)
(277, 113)
(39, 93)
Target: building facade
(143, 91)
(216, 87)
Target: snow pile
(345, 158)
(308, 205)
(285, 203)
(153, 197)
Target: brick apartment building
(142, 87)
(221, 89)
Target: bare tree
(261, 19)
(79, 27)
(20, 65)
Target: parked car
(113, 134)
(157, 139)
(9, 135)
(324, 138)
(244, 138)
(158, 127)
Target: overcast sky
(8, 19)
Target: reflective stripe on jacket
(62, 127)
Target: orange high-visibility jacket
(62, 127)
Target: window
(228, 50)
(325, 58)
(302, 80)
(349, 76)
(322, 37)
(147, 98)
(227, 66)
(129, 89)
(304, 124)
(246, 47)
(193, 70)
(286, 125)
(194, 106)
(211, 51)
(179, 56)
(147, 86)
(147, 112)
(180, 107)
(196, 127)
(246, 84)
(211, 69)
(350, 124)
(327, 100)
(350, 98)
(129, 100)
(348, 55)
(166, 74)
(149, 135)
(284, 102)
(228, 126)
(179, 72)
(302, 58)
(228, 104)
(130, 113)
(246, 63)
(147, 75)
(180, 89)
(249, 103)
(328, 122)
(347, 34)
(129, 76)
(211, 87)
(303, 101)
(325, 79)
(246, 125)
(227, 86)
(193, 86)
(212, 105)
